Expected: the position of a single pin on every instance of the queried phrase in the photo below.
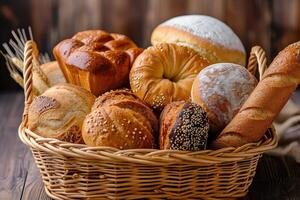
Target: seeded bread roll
(120, 119)
(183, 126)
(59, 112)
(124, 98)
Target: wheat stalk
(14, 55)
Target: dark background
(273, 24)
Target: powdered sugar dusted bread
(207, 35)
(183, 126)
(221, 89)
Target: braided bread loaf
(96, 60)
(265, 102)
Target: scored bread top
(59, 112)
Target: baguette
(265, 102)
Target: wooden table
(276, 178)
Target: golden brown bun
(210, 37)
(221, 89)
(164, 73)
(59, 112)
(96, 60)
(183, 126)
(46, 76)
(265, 102)
(119, 119)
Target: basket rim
(147, 156)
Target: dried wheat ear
(14, 57)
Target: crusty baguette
(265, 102)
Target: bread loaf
(59, 112)
(221, 89)
(207, 35)
(96, 60)
(265, 102)
(119, 119)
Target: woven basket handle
(30, 58)
(258, 59)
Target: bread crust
(53, 72)
(221, 89)
(119, 119)
(183, 126)
(59, 112)
(213, 52)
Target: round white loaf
(207, 35)
(221, 89)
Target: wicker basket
(75, 171)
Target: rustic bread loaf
(207, 35)
(59, 112)
(119, 119)
(221, 89)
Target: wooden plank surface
(277, 178)
(13, 163)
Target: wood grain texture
(276, 178)
(13, 166)
(34, 187)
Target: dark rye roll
(183, 126)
